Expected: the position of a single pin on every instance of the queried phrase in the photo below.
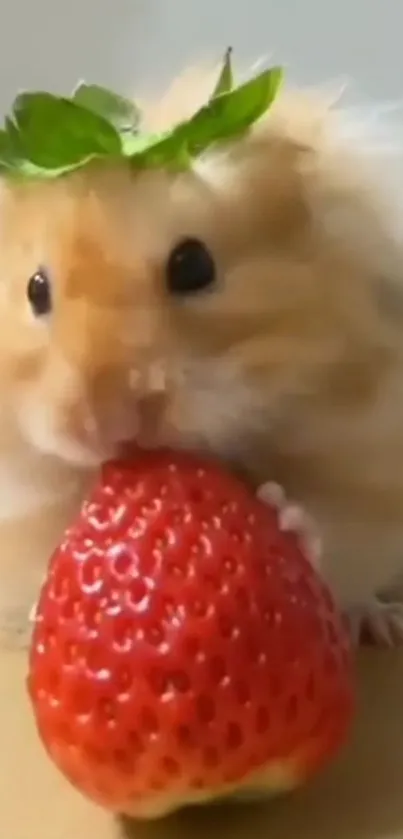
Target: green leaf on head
(47, 135)
(122, 113)
(225, 80)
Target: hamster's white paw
(294, 519)
(377, 622)
(32, 613)
(34, 608)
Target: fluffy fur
(292, 368)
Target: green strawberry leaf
(226, 115)
(225, 80)
(8, 153)
(167, 149)
(134, 145)
(56, 132)
(171, 153)
(233, 112)
(47, 136)
(123, 114)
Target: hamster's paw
(32, 613)
(34, 608)
(378, 623)
(294, 519)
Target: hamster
(251, 307)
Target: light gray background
(49, 44)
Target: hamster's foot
(294, 519)
(378, 623)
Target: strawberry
(184, 646)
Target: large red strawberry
(184, 646)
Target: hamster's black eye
(39, 293)
(190, 268)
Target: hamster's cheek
(53, 416)
(44, 427)
(212, 406)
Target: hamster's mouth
(91, 454)
(128, 449)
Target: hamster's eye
(39, 293)
(190, 268)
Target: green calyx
(47, 136)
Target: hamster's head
(204, 309)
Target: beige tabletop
(360, 797)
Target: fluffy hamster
(252, 307)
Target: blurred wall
(50, 43)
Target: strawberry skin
(184, 647)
